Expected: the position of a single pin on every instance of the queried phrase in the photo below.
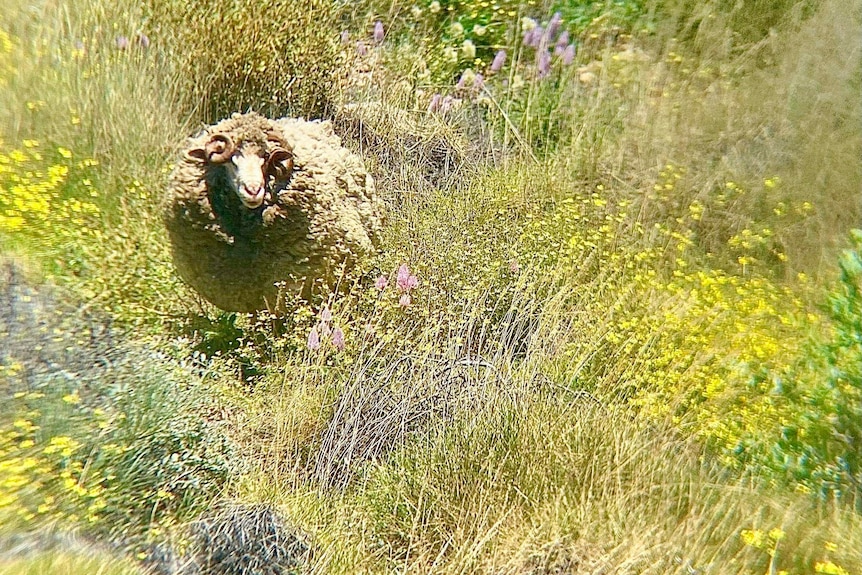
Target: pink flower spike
(499, 61)
(325, 315)
(378, 32)
(345, 37)
(478, 82)
(338, 339)
(563, 40)
(568, 55)
(544, 64)
(537, 38)
(405, 300)
(381, 283)
(313, 339)
(434, 104)
(554, 24)
(447, 104)
(403, 277)
(361, 48)
(412, 282)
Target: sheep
(254, 202)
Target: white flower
(528, 24)
(468, 49)
(479, 30)
(416, 11)
(434, 7)
(457, 29)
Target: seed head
(468, 49)
(568, 55)
(378, 32)
(313, 339)
(338, 339)
(499, 61)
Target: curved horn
(274, 137)
(220, 148)
(279, 164)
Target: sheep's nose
(252, 195)
(252, 190)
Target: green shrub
(95, 433)
(820, 446)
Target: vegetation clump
(612, 324)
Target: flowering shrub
(64, 460)
(725, 355)
(47, 195)
(818, 443)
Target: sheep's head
(250, 165)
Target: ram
(254, 202)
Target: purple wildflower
(554, 24)
(568, 55)
(361, 48)
(325, 315)
(538, 37)
(313, 339)
(143, 40)
(434, 105)
(478, 82)
(544, 63)
(378, 32)
(404, 300)
(528, 37)
(405, 280)
(324, 330)
(345, 37)
(403, 277)
(338, 339)
(499, 61)
(447, 104)
(122, 43)
(381, 283)
(563, 40)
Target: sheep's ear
(196, 154)
(219, 148)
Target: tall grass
(592, 374)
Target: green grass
(641, 254)
(60, 563)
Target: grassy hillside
(632, 345)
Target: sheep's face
(248, 166)
(245, 172)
